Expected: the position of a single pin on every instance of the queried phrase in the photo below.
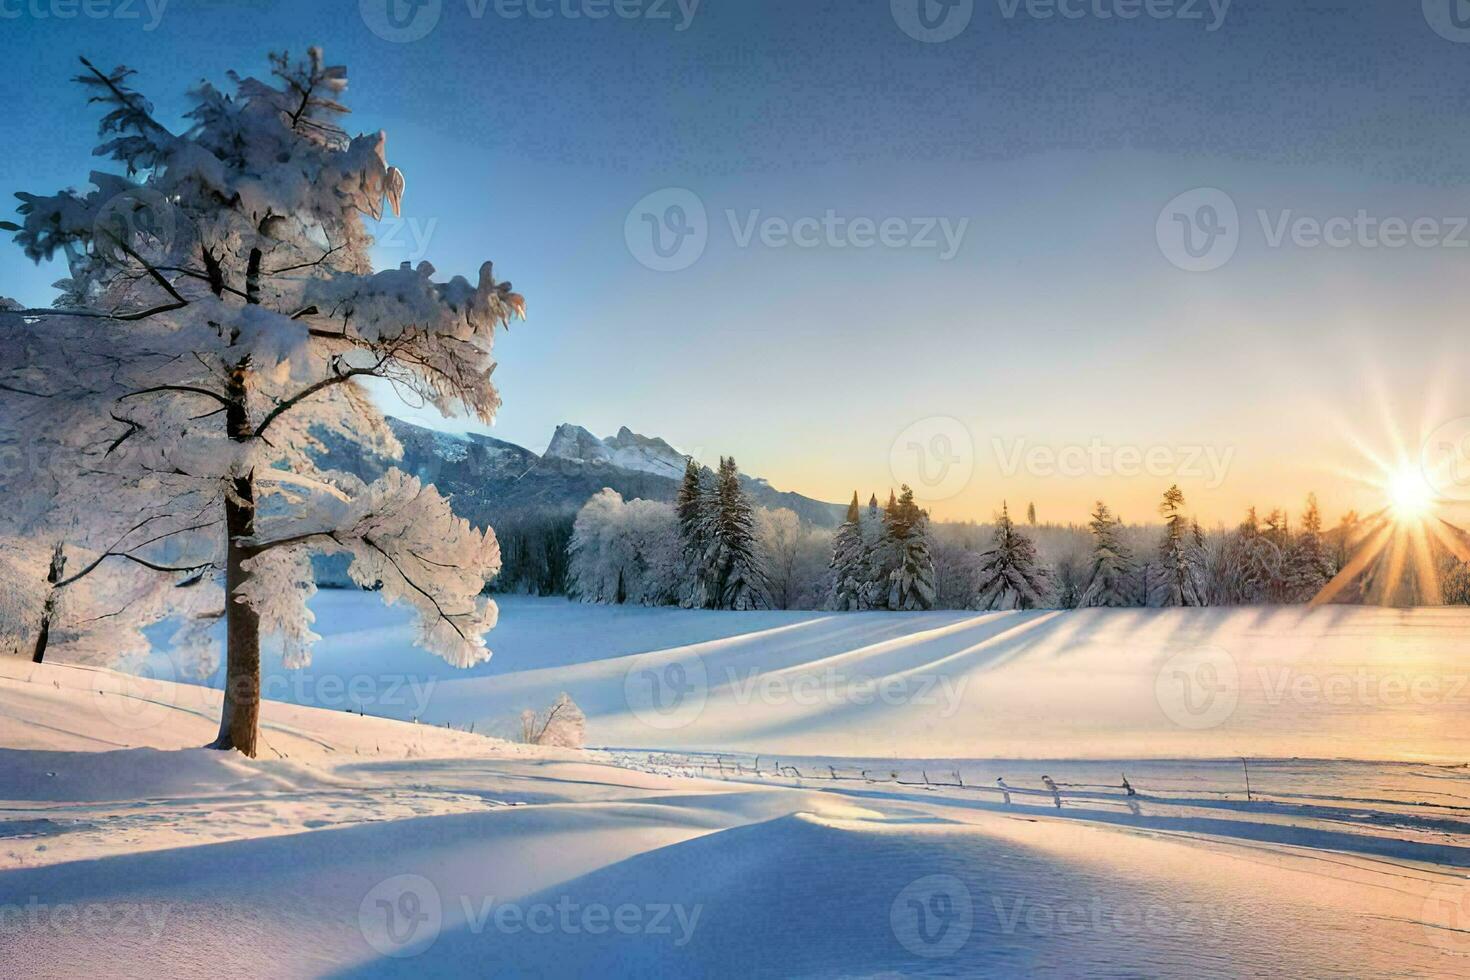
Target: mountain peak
(627, 450)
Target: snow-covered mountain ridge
(490, 480)
(627, 450)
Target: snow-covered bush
(562, 725)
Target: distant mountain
(626, 450)
(492, 481)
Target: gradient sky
(1059, 322)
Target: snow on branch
(403, 539)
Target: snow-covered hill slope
(363, 847)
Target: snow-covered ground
(870, 837)
(1339, 682)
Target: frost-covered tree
(224, 281)
(1308, 566)
(794, 559)
(1180, 576)
(1455, 585)
(906, 532)
(1108, 577)
(849, 561)
(885, 554)
(562, 725)
(625, 552)
(695, 506)
(738, 580)
(1252, 564)
(1010, 576)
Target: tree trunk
(240, 717)
(48, 611)
(240, 714)
(39, 653)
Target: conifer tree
(694, 508)
(849, 561)
(1108, 577)
(738, 579)
(1010, 576)
(911, 582)
(1308, 567)
(1180, 579)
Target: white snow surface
(363, 846)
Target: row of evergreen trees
(718, 536)
(883, 562)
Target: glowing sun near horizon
(1409, 494)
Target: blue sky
(1055, 142)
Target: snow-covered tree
(885, 554)
(562, 725)
(851, 560)
(1308, 566)
(1108, 578)
(738, 579)
(794, 559)
(224, 283)
(906, 533)
(695, 506)
(1010, 576)
(1179, 580)
(1252, 564)
(625, 552)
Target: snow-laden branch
(404, 539)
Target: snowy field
(1343, 682)
(780, 794)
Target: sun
(1409, 494)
